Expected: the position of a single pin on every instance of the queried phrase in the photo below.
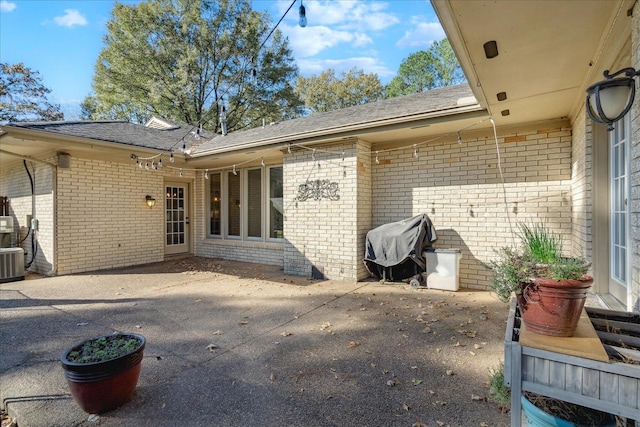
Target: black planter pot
(98, 387)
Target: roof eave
(347, 131)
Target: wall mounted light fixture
(151, 202)
(610, 99)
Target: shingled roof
(162, 134)
(121, 132)
(375, 114)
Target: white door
(176, 218)
(619, 232)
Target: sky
(62, 39)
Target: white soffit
(546, 51)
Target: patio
(243, 344)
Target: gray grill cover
(391, 244)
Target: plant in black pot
(551, 288)
(103, 372)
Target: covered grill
(394, 251)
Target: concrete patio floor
(233, 344)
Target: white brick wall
(635, 166)
(15, 184)
(327, 234)
(103, 220)
(459, 187)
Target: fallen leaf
(426, 330)
(218, 332)
(244, 322)
(406, 407)
(82, 324)
(353, 344)
(212, 347)
(393, 383)
(450, 372)
(440, 423)
(272, 377)
(432, 392)
(440, 403)
(483, 424)
(476, 398)
(324, 326)
(416, 382)
(92, 417)
(285, 334)
(477, 346)
(472, 353)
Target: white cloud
(367, 64)
(310, 41)
(6, 6)
(70, 18)
(422, 35)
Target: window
(233, 204)
(276, 207)
(215, 204)
(246, 205)
(254, 203)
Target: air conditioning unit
(11, 264)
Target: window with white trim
(246, 205)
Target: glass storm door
(176, 219)
(619, 250)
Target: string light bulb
(415, 151)
(171, 159)
(160, 162)
(206, 174)
(140, 165)
(342, 155)
(180, 173)
(262, 161)
(289, 148)
(459, 138)
(234, 170)
(153, 164)
(377, 159)
(313, 155)
(302, 14)
(146, 166)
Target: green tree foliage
(426, 70)
(23, 97)
(181, 59)
(328, 92)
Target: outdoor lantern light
(303, 15)
(151, 202)
(609, 100)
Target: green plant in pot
(103, 372)
(551, 288)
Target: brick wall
(325, 234)
(103, 220)
(459, 187)
(15, 184)
(635, 165)
(582, 173)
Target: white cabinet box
(443, 269)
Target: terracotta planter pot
(553, 307)
(101, 386)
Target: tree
(426, 70)
(326, 92)
(184, 59)
(23, 96)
